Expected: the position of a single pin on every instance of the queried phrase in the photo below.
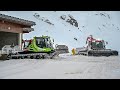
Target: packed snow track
(63, 67)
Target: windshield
(40, 42)
(43, 42)
(97, 45)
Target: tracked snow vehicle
(36, 48)
(96, 47)
(61, 49)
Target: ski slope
(63, 67)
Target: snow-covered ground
(63, 67)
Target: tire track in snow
(21, 68)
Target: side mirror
(106, 42)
